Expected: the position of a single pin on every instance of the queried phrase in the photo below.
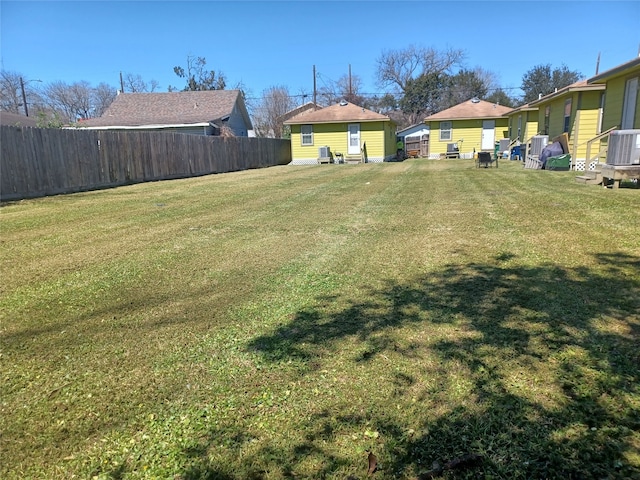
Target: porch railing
(601, 151)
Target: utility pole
(24, 98)
(121, 84)
(350, 91)
(314, 87)
(598, 63)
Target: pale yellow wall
(614, 98)
(528, 125)
(531, 126)
(583, 123)
(379, 137)
(468, 130)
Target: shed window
(306, 133)
(547, 114)
(445, 131)
(567, 114)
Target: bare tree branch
(397, 67)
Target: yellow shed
(575, 110)
(346, 130)
(473, 126)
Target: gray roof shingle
(167, 108)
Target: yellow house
(474, 125)
(621, 101)
(621, 110)
(575, 110)
(523, 123)
(347, 129)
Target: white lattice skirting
(581, 162)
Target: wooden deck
(610, 175)
(620, 172)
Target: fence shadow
(514, 315)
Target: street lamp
(24, 96)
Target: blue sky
(267, 43)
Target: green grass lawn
(283, 322)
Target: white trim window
(445, 131)
(306, 135)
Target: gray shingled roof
(168, 108)
(17, 120)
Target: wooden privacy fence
(37, 162)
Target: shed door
(354, 139)
(488, 135)
(629, 107)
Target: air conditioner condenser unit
(538, 142)
(624, 147)
(324, 152)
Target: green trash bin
(559, 162)
(496, 151)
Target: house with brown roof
(201, 113)
(466, 128)
(343, 130)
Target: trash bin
(515, 153)
(559, 162)
(496, 150)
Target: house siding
(236, 122)
(614, 101)
(531, 126)
(528, 125)
(470, 131)
(378, 136)
(583, 120)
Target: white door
(488, 135)
(629, 107)
(354, 139)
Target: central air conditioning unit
(323, 152)
(624, 147)
(538, 142)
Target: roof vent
(343, 103)
(475, 100)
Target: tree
(464, 85)
(542, 80)
(11, 88)
(349, 87)
(423, 96)
(386, 103)
(135, 83)
(71, 102)
(10, 94)
(398, 67)
(101, 98)
(501, 97)
(197, 77)
(267, 118)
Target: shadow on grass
(583, 323)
